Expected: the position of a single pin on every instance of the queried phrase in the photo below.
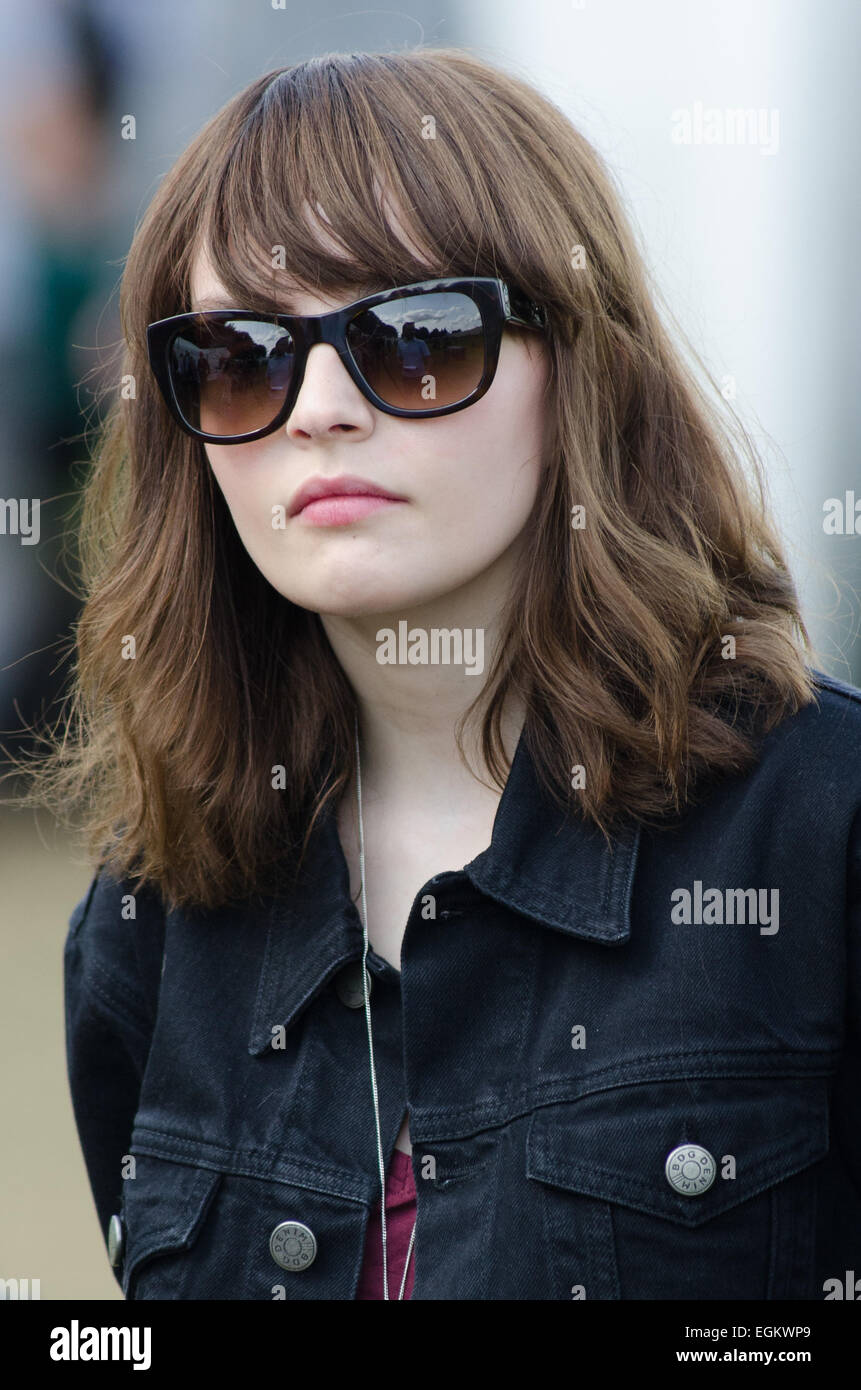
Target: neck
(408, 710)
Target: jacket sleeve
(111, 976)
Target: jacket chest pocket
(688, 1189)
(193, 1232)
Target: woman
(477, 662)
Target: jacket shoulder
(811, 760)
(831, 722)
(832, 728)
(115, 944)
(839, 693)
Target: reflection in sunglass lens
(231, 378)
(421, 351)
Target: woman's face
(467, 482)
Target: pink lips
(338, 501)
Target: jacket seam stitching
(117, 1009)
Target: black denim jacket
(605, 1100)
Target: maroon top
(400, 1216)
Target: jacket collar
(554, 867)
(542, 863)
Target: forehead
(208, 292)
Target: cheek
(245, 484)
(490, 464)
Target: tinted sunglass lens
(231, 378)
(421, 351)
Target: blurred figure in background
(59, 79)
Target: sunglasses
(229, 376)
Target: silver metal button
(116, 1240)
(293, 1246)
(349, 985)
(690, 1169)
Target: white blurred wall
(755, 252)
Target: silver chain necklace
(370, 1036)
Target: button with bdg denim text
(349, 985)
(293, 1246)
(690, 1169)
(116, 1239)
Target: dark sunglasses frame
(499, 303)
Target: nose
(329, 402)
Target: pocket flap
(614, 1144)
(163, 1206)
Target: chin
(348, 601)
(354, 590)
(353, 606)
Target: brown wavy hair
(612, 634)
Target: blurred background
(752, 242)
